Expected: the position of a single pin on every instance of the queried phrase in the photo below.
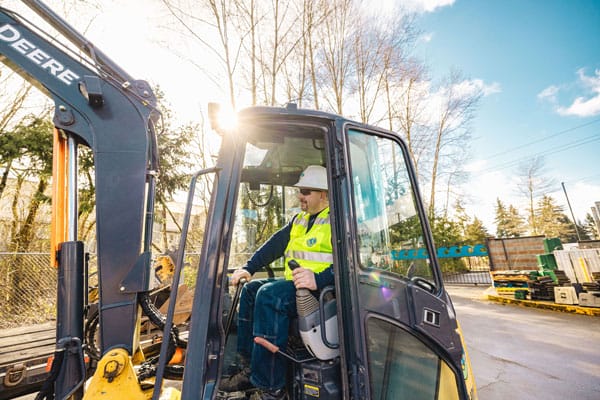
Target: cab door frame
(411, 305)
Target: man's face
(312, 201)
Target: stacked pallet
(542, 288)
(592, 286)
(507, 283)
(591, 295)
(561, 278)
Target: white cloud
(433, 99)
(586, 105)
(476, 166)
(416, 6)
(427, 37)
(582, 107)
(593, 82)
(388, 7)
(462, 89)
(430, 5)
(487, 88)
(470, 87)
(549, 93)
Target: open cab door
(400, 328)
(397, 335)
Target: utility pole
(572, 215)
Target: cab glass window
(402, 367)
(267, 199)
(388, 225)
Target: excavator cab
(395, 333)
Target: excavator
(386, 329)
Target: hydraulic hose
(148, 369)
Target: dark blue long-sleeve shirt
(275, 247)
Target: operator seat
(317, 322)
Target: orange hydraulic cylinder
(60, 158)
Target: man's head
(312, 187)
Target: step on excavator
(386, 329)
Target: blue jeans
(266, 307)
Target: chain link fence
(27, 289)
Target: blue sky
(542, 59)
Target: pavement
(488, 293)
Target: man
(266, 306)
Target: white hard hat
(313, 177)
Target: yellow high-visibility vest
(312, 249)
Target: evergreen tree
(516, 223)
(461, 216)
(447, 233)
(509, 223)
(574, 237)
(583, 234)
(475, 232)
(501, 219)
(551, 220)
(589, 227)
(472, 232)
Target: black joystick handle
(293, 264)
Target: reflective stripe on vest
(312, 249)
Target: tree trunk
(26, 233)
(4, 178)
(14, 226)
(313, 67)
(434, 170)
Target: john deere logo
(311, 242)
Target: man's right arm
(271, 250)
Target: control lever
(236, 299)
(275, 350)
(312, 322)
(293, 264)
(302, 293)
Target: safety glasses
(306, 192)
